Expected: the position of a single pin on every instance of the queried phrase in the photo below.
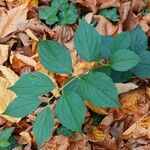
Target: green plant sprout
(127, 57)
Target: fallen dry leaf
(89, 4)
(108, 3)
(9, 75)
(105, 27)
(63, 34)
(25, 135)
(31, 3)
(57, 142)
(139, 128)
(31, 35)
(25, 59)
(95, 109)
(15, 18)
(124, 10)
(125, 87)
(3, 53)
(137, 6)
(135, 103)
(131, 22)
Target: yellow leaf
(31, 35)
(31, 3)
(14, 18)
(3, 53)
(6, 96)
(96, 134)
(9, 75)
(25, 135)
(125, 87)
(97, 110)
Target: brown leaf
(89, 4)
(63, 34)
(135, 102)
(13, 20)
(37, 25)
(105, 27)
(79, 142)
(130, 23)
(137, 6)
(124, 10)
(3, 53)
(145, 22)
(57, 142)
(139, 128)
(108, 3)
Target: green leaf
(139, 40)
(22, 106)
(5, 134)
(119, 77)
(116, 43)
(34, 84)
(68, 15)
(93, 88)
(71, 111)
(4, 137)
(143, 68)
(64, 131)
(124, 60)
(50, 13)
(43, 126)
(54, 57)
(146, 12)
(87, 42)
(60, 11)
(111, 14)
(4, 144)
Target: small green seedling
(127, 56)
(60, 11)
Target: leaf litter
(20, 28)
